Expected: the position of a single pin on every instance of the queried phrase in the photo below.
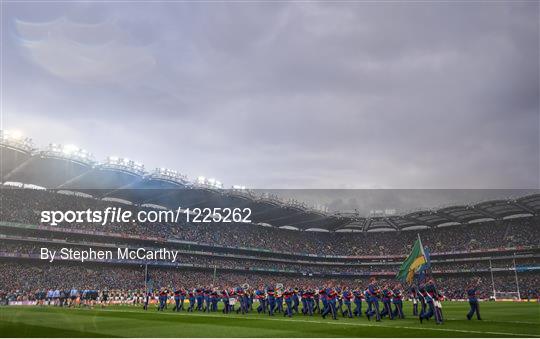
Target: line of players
(326, 301)
(73, 297)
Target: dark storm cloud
(302, 95)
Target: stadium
(286, 245)
(269, 169)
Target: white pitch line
(330, 323)
(499, 321)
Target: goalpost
(503, 295)
(508, 295)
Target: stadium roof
(70, 168)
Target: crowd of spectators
(242, 263)
(25, 206)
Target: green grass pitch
(501, 319)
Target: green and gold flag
(413, 263)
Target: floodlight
(68, 149)
(13, 134)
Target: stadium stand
(235, 254)
(497, 241)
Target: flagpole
(492, 280)
(422, 248)
(515, 274)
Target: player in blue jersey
(214, 299)
(288, 296)
(225, 300)
(309, 296)
(246, 301)
(429, 295)
(439, 298)
(206, 299)
(83, 297)
(162, 298)
(473, 302)
(339, 300)
(368, 302)
(176, 307)
(322, 296)
(183, 294)
(270, 292)
(331, 298)
(192, 299)
(316, 298)
(279, 301)
(261, 297)
(347, 301)
(56, 297)
(295, 300)
(63, 297)
(199, 295)
(397, 300)
(387, 303)
(303, 300)
(358, 295)
(251, 297)
(73, 295)
(241, 294)
(421, 299)
(373, 292)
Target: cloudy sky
(285, 95)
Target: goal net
(503, 295)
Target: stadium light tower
(169, 175)
(13, 134)
(68, 152)
(123, 164)
(15, 139)
(209, 182)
